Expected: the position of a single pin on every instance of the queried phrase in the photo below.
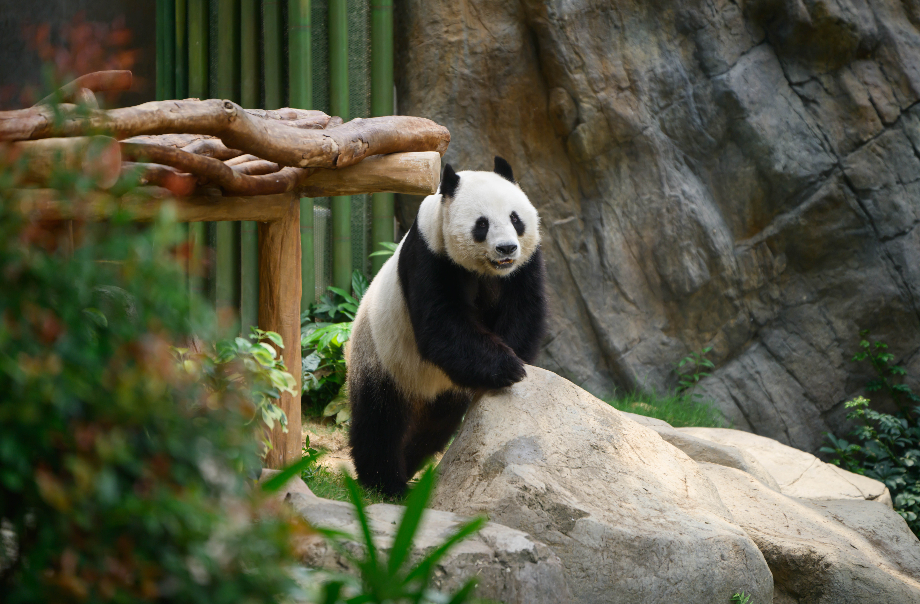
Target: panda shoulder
(429, 223)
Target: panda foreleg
(433, 426)
(380, 417)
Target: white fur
(445, 226)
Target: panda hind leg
(380, 417)
(433, 427)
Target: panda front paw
(511, 371)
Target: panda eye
(481, 229)
(517, 224)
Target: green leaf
(465, 592)
(354, 494)
(96, 315)
(280, 479)
(415, 508)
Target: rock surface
(824, 552)
(632, 518)
(741, 175)
(798, 474)
(511, 567)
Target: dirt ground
(333, 440)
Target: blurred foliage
(325, 329)
(122, 471)
(887, 448)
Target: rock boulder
(632, 518)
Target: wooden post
(279, 311)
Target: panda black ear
(449, 182)
(503, 169)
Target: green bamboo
(198, 48)
(300, 80)
(338, 100)
(197, 87)
(166, 49)
(300, 56)
(381, 104)
(250, 78)
(227, 81)
(272, 53)
(181, 46)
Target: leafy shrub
(394, 580)
(697, 368)
(888, 450)
(325, 329)
(887, 375)
(121, 470)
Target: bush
(325, 329)
(121, 473)
(888, 450)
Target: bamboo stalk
(250, 78)
(226, 286)
(272, 53)
(198, 88)
(338, 99)
(300, 77)
(181, 38)
(382, 204)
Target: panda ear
(503, 169)
(449, 182)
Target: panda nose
(506, 249)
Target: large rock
(797, 473)
(632, 518)
(510, 566)
(739, 175)
(824, 552)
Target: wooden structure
(212, 142)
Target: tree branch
(266, 138)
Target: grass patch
(679, 410)
(330, 484)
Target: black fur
(480, 230)
(479, 330)
(503, 169)
(380, 418)
(449, 182)
(517, 223)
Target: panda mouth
(502, 264)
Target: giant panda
(458, 309)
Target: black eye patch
(481, 229)
(517, 223)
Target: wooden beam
(279, 311)
(412, 173)
(46, 205)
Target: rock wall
(742, 175)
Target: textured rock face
(743, 175)
(824, 552)
(634, 519)
(631, 517)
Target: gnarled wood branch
(269, 139)
(231, 181)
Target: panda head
(488, 225)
